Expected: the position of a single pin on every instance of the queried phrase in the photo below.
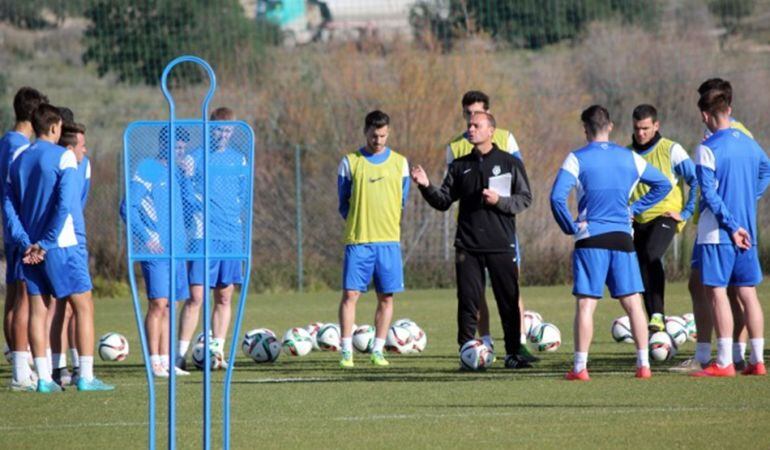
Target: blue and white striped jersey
(604, 175)
(10, 142)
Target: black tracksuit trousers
(651, 240)
(471, 282)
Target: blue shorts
(63, 272)
(13, 270)
(379, 261)
(592, 268)
(222, 273)
(725, 265)
(157, 279)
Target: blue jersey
(84, 176)
(228, 183)
(604, 175)
(149, 206)
(45, 191)
(9, 144)
(733, 172)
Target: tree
(135, 40)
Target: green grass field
(421, 401)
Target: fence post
(298, 201)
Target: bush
(135, 40)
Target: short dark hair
(67, 116)
(26, 101)
(44, 117)
(222, 113)
(714, 101)
(376, 119)
(717, 84)
(645, 111)
(489, 116)
(472, 97)
(68, 139)
(73, 127)
(596, 118)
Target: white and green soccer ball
(328, 337)
(546, 337)
(200, 336)
(474, 355)
(363, 338)
(621, 330)
(676, 327)
(297, 342)
(113, 347)
(265, 348)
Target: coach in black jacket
(492, 187)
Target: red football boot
(755, 369)
(713, 370)
(580, 376)
(643, 372)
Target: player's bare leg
(83, 309)
(382, 318)
(723, 324)
(755, 323)
(220, 317)
(10, 300)
(20, 331)
(633, 305)
(155, 322)
(740, 333)
(583, 333)
(38, 334)
(188, 321)
(59, 338)
(347, 316)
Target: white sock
(739, 351)
(643, 358)
(757, 349)
(154, 360)
(487, 340)
(379, 344)
(523, 338)
(49, 356)
(21, 370)
(703, 352)
(164, 361)
(59, 360)
(87, 367)
(74, 357)
(43, 371)
(219, 343)
(724, 351)
(581, 360)
(346, 344)
(183, 346)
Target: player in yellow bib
(474, 102)
(700, 303)
(655, 228)
(372, 186)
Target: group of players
(45, 187)
(631, 202)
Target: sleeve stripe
(678, 155)
(705, 157)
(571, 165)
(641, 164)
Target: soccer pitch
(420, 401)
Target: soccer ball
(264, 348)
(312, 330)
(419, 338)
(363, 338)
(662, 347)
(692, 330)
(474, 355)
(297, 342)
(113, 347)
(248, 338)
(199, 355)
(621, 330)
(199, 337)
(398, 340)
(547, 337)
(328, 337)
(531, 320)
(676, 327)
